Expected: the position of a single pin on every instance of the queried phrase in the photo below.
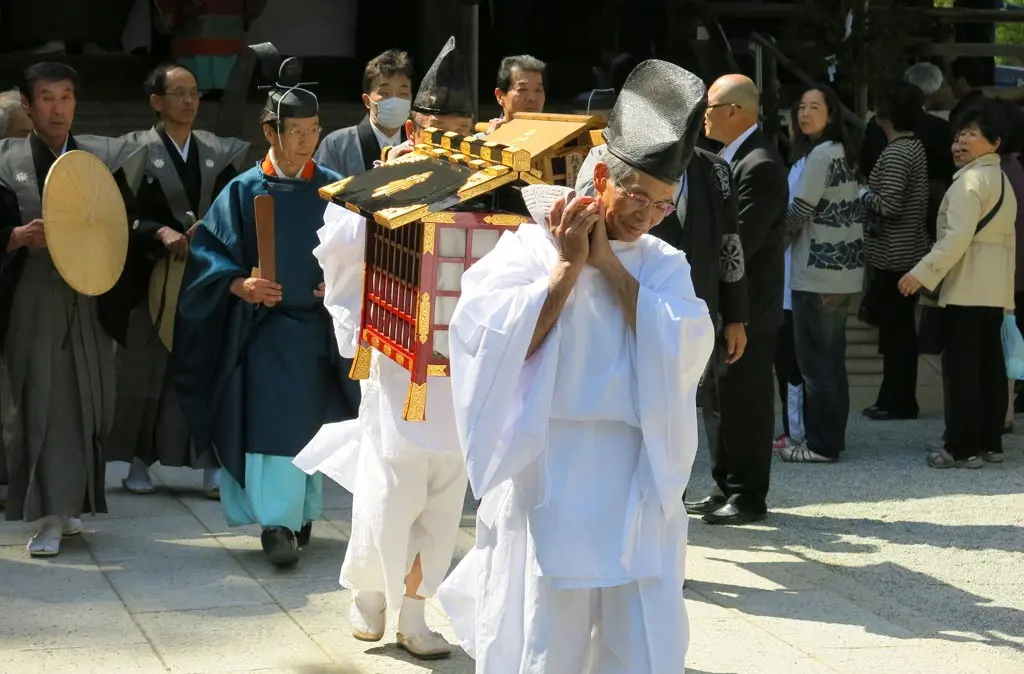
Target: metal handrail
(761, 42)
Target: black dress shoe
(868, 411)
(704, 506)
(879, 414)
(730, 514)
(303, 535)
(280, 546)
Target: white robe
(407, 478)
(580, 454)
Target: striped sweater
(896, 235)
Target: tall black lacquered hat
(445, 88)
(288, 96)
(657, 118)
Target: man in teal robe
(256, 363)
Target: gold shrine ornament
(401, 185)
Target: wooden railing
(782, 11)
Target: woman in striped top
(895, 239)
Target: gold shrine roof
(450, 168)
(540, 133)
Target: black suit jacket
(762, 197)
(710, 237)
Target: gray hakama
(60, 399)
(57, 394)
(149, 424)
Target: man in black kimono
(387, 95)
(739, 409)
(185, 170)
(57, 345)
(704, 226)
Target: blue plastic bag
(1013, 348)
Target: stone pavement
(875, 564)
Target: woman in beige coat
(973, 259)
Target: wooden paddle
(263, 206)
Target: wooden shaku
(421, 235)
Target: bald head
(733, 102)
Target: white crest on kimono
(723, 180)
(209, 163)
(21, 177)
(159, 163)
(730, 262)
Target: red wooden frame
(400, 285)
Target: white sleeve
(502, 401)
(341, 254)
(674, 340)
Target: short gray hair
(10, 103)
(621, 173)
(925, 76)
(524, 64)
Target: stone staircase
(863, 362)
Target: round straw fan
(85, 222)
(164, 287)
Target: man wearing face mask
(387, 95)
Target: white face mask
(392, 112)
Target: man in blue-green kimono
(256, 362)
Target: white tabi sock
(411, 619)
(138, 478)
(211, 479)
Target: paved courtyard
(875, 564)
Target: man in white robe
(408, 479)
(576, 348)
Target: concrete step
(864, 366)
(857, 379)
(861, 336)
(861, 351)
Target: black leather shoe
(279, 546)
(730, 514)
(303, 535)
(878, 414)
(704, 506)
(868, 411)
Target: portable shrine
(430, 215)
(557, 144)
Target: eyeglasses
(304, 133)
(641, 201)
(712, 106)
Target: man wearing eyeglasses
(703, 225)
(739, 401)
(185, 170)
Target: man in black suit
(739, 402)
(706, 228)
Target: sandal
(944, 459)
(802, 454)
